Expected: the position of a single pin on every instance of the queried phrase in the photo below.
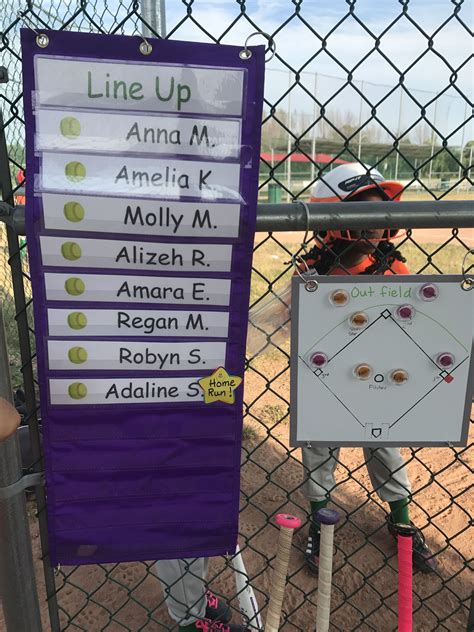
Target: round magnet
(339, 298)
(363, 371)
(428, 292)
(398, 376)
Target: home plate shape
(389, 367)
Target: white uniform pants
(184, 586)
(386, 469)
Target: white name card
(121, 133)
(135, 217)
(86, 323)
(119, 288)
(117, 175)
(134, 255)
(150, 390)
(84, 355)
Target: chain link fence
(423, 137)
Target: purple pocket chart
(141, 195)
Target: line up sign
(141, 205)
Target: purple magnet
(327, 516)
(319, 359)
(405, 312)
(428, 292)
(445, 360)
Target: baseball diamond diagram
(381, 361)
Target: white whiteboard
(417, 362)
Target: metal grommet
(245, 53)
(311, 285)
(42, 40)
(467, 284)
(145, 47)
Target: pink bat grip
(288, 521)
(405, 574)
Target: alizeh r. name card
(142, 175)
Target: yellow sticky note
(220, 386)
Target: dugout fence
(128, 596)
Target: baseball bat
(287, 526)
(247, 602)
(328, 518)
(405, 534)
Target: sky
(299, 27)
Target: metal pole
(357, 215)
(154, 14)
(359, 148)
(288, 124)
(313, 141)
(433, 141)
(461, 157)
(17, 573)
(27, 369)
(398, 131)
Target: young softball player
(359, 252)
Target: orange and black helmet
(346, 182)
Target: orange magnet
(339, 298)
(363, 371)
(399, 376)
(359, 320)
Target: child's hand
(9, 419)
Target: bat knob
(407, 530)
(327, 516)
(288, 521)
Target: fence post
(17, 574)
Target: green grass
(445, 260)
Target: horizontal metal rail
(333, 215)
(363, 215)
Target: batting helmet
(348, 181)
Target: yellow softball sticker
(77, 320)
(75, 286)
(77, 355)
(71, 251)
(75, 171)
(77, 390)
(74, 212)
(70, 127)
